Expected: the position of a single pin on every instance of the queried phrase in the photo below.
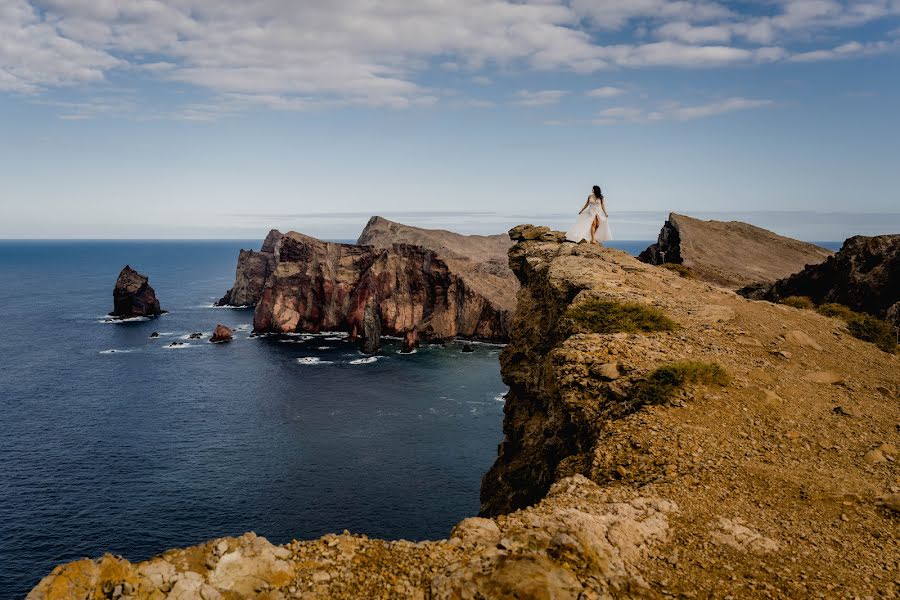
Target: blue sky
(190, 118)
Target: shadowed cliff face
(322, 286)
(253, 270)
(864, 275)
(731, 254)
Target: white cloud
(539, 98)
(606, 91)
(304, 55)
(676, 112)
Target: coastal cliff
(663, 437)
(252, 272)
(323, 286)
(731, 254)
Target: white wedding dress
(582, 228)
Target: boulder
(731, 254)
(133, 296)
(221, 334)
(410, 341)
(864, 275)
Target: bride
(592, 223)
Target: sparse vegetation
(663, 383)
(606, 316)
(680, 269)
(860, 325)
(804, 302)
(838, 311)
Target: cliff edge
(731, 254)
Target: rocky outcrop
(580, 542)
(221, 335)
(253, 270)
(479, 260)
(133, 296)
(367, 291)
(864, 275)
(731, 254)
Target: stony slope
(732, 254)
(784, 483)
(864, 275)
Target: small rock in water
(195, 336)
(221, 334)
(154, 335)
(468, 348)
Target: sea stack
(133, 296)
(221, 335)
(730, 253)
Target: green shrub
(838, 311)
(680, 269)
(862, 326)
(871, 329)
(663, 383)
(606, 316)
(804, 302)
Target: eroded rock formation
(133, 296)
(864, 275)
(731, 254)
(370, 291)
(252, 272)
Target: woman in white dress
(592, 223)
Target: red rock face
(133, 296)
(221, 334)
(322, 286)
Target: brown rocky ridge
(398, 280)
(133, 296)
(864, 275)
(731, 254)
(683, 442)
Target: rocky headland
(864, 275)
(664, 437)
(133, 296)
(397, 280)
(732, 254)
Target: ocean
(112, 442)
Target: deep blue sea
(112, 442)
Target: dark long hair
(598, 193)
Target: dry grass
(804, 302)
(680, 269)
(663, 383)
(606, 316)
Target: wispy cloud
(605, 92)
(676, 112)
(539, 98)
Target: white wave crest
(365, 361)
(115, 351)
(312, 360)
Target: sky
(194, 118)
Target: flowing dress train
(582, 228)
